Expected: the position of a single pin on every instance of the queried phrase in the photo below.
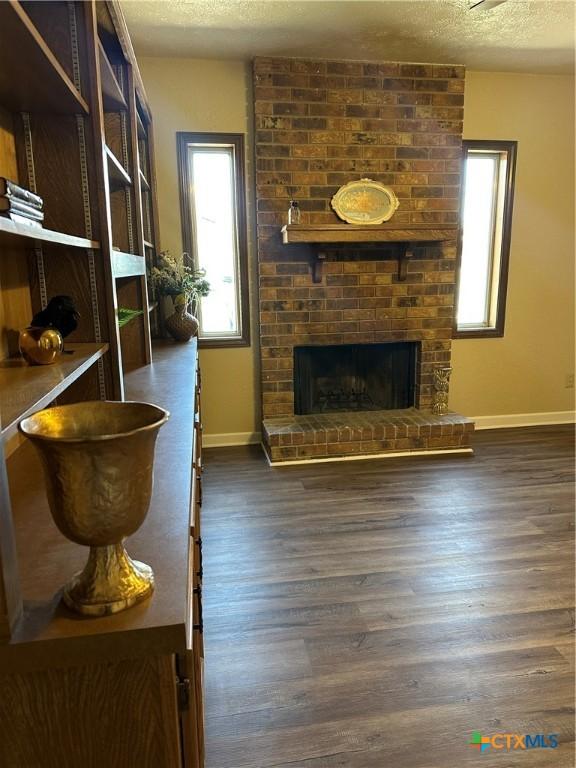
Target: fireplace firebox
(354, 377)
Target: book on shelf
(10, 189)
(18, 219)
(14, 205)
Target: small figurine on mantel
(42, 342)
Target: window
(488, 191)
(211, 172)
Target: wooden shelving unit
(73, 116)
(75, 128)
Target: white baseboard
(230, 438)
(509, 420)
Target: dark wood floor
(373, 614)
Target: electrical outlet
(569, 381)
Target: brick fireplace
(319, 125)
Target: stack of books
(19, 204)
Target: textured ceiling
(519, 35)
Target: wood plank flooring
(374, 614)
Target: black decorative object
(60, 313)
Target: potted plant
(186, 285)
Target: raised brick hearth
(319, 125)
(371, 432)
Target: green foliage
(175, 277)
(125, 315)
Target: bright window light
(487, 209)
(211, 174)
(214, 231)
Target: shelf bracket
(403, 259)
(317, 266)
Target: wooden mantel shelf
(357, 233)
(325, 236)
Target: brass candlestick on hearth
(441, 378)
(98, 459)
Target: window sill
(222, 343)
(478, 333)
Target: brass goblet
(98, 459)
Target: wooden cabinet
(75, 128)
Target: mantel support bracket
(319, 259)
(403, 259)
(322, 253)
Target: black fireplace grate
(354, 377)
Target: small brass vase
(98, 459)
(40, 346)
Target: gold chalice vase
(98, 459)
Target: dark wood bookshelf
(70, 132)
(76, 129)
(40, 83)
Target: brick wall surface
(319, 125)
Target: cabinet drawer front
(190, 672)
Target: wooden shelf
(31, 77)
(12, 232)
(144, 181)
(358, 233)
(117, 174)
(140, 126)
(112, 96)
(28, 388)
(127, 264)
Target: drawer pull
(200, 571)
(200, 625)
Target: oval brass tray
(365, 202)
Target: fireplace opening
(354, 377)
